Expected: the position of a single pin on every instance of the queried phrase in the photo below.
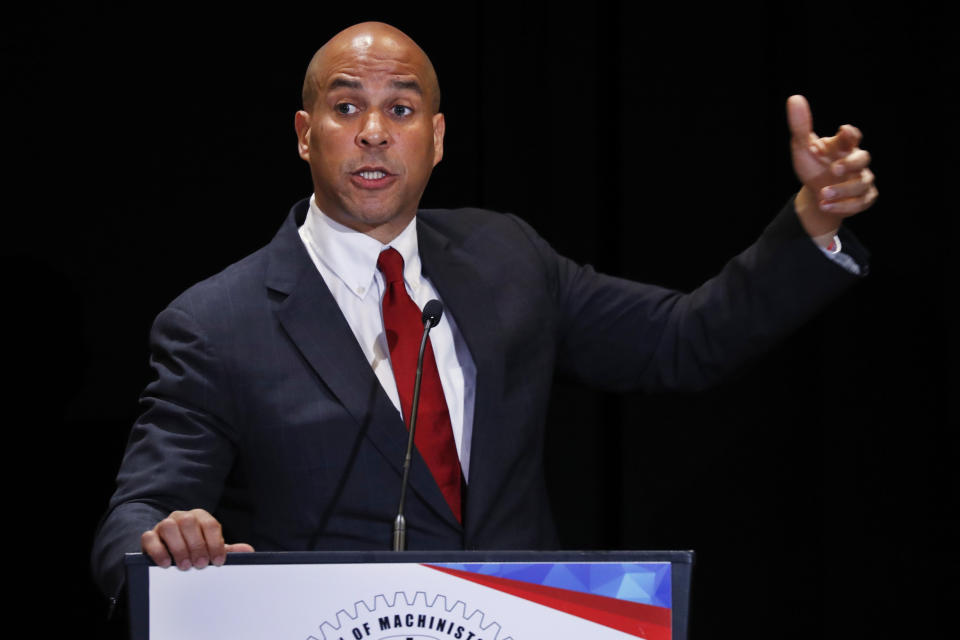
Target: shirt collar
(352, 255)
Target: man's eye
(346, 108)
(401, 110)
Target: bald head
(369, 41)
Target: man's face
(372, 136)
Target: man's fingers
(213, 537)
(799, 119)
(847, 138)
(856, 160)
(853, 188)
(169, 533)
(850, 206)
(818, 162)
(817, 146)
(187, 538)
(193, 537)
(843, 143)
(851, 132)
(152, 546)
(852, 196)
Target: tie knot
(390, 263)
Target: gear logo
(405, 618)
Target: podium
(436, 595)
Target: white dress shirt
(347, 260)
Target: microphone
(432, 311)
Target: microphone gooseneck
(432, 311)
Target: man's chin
(381, 218)
(370, 220)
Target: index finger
(848, 137)
(843, 143)
(799, 118)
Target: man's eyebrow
(337, 83)
(411, 85)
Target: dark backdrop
(148, 147)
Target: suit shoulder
(239, 281)
(466, 224)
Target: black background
(148, 146)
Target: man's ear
(439, 128)
(301, 122)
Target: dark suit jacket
(265, 412)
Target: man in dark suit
(277, 414)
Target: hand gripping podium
(436, 595)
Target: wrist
(819, 225)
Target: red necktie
(403, 324)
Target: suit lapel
(313, 321)
(469, 299)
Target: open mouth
(373, 178)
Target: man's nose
(374, 132)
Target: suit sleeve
(620, 335)
(180, 449)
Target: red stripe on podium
(640, 620)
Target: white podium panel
(414, 595)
